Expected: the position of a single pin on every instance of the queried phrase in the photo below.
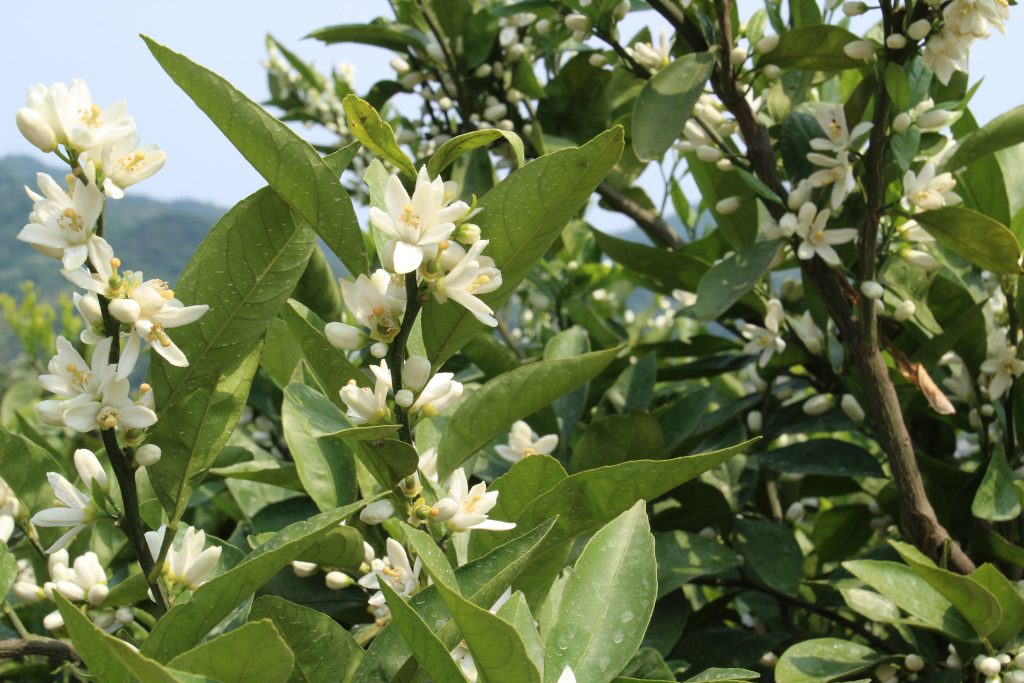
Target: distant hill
(156, 237)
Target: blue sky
(103, 47)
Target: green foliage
(664, 104)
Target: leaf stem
(396, 354)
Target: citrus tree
(776, 435)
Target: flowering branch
(396, 354)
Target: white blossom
(84, 581)
(816, 240)
(10, 510)
(926, 191)
(438, 395)
(808, 332)
(75, 509)
(654, 57)
(1002, 365)
(766, 341)
(191, 565)
(124, 162)
(366, 405)
(373, 307)
(400, 575)
(524, 442)
(62, 223)
(472, 275)
(471, 505)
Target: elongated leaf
(498, 651)
(318, 288)
(984, 242)
(913, 595)
(390, 460)
(185, 624)
(23, 465)
(996, 499)
(617, 438)
(664, 104)
(491, 409)
(824, 457)
(288, 163)
(252, 653)
(323, 650)
(1001, 132)
(522, 217)
(262, 471)
(517, 612)
(772, 552)
(391, 36)
(824, 659)
(1010, 602)
(814, 48)
(432, 556)
(451, 150)
(607, 602)
(481, 581)
(732, 277)
(245, 270)
(329, 365)
(684, 556)
(428, 649)
(326, 467)
(375, 133)
(667, 270)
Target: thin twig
(653, 225)
(47, 647)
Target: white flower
(428, 464)
(395, 570)
(377, 512)
(1001, 365)
(423, 220)
(85, 581)
(816, 240)
(25, 587)
(123, 162)
(808, 332)
(524, 442)
(373, 307)
(38, 120)
(113, 408)
(415, 372)
(85, 125)
(61, 223)
(945, 53)
(926, 191)
(88, 306)
(765, 340)
(90, 469)
(832, 121)
(651, 56)
(959, 383)
(473, 274)
(191, 566)
(344, 337)
(76, 510)
(365, 405)
(439, 394)
(972, 18)
(471, 505)
(70, 377)
(836, 171)
(10, 510)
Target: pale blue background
(98, 41)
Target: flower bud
(495, 112)
(913, 663)
(988, 410)
(515, 52)
(125, 310)
(444, 510)
(771, 72)
(35, 129)
(936, 119)
(344, 337)
(818, 404)
(724, 165)
(885, 673)
(27, 592)
(737, 56)
(708, 533)
(542, 26)
(901, 122)
(768, 660)
(728, 205)
(872, 289)
(53, 621)
(621, 10)
(411, 80)
(896, 41)
(859, 49)
(97, 594)
(89, 468)
(577, 22)
(377, 512)
(379, 350)
(754, 421)
(988, 666)
(905, 311)
(416, 372)
(445, 103)
(854, 9)
(795, 512)
(919, 259)
(404, 398)
(708, 153)
(767, 44)
(304, 569)
(852, 408)
(919, 29)
(879, 306)
(399, 65)
(596, 60)
(482, 71)
(337, 580)
(467, 233)
(800, 195)
(147, 455)
(124, 615)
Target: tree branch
(47, 647)
(653, 225)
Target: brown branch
(917, 516)
(653, 225)
(46, 647)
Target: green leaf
(252, 653)
(840, 531)
(771, 551)
(522, 217)
(318, 288)
(1001, 132)
(389, 36)
(430, 652)
(824, 457)
(668, 269)
(491, 409)
(912, 594)
(328, 364)
(245, 269)
(432, 556)
(185, 624)
(288, 163)
(824, 659)
(664, 104)
(23, 465)
(376, 134)
(1009, 599)
(517, 612)
(732, 277)
(498, 651)
(326, 467)
(814, 48)
(684, 556)
(986, 243)
(996, 499)
(607, 602)
(897, 84)
(110, 659)
(974, 602)
(723, 675)
(8, 571)
(323, 650)
(263, 471)
(451, 150)
(614, 439)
